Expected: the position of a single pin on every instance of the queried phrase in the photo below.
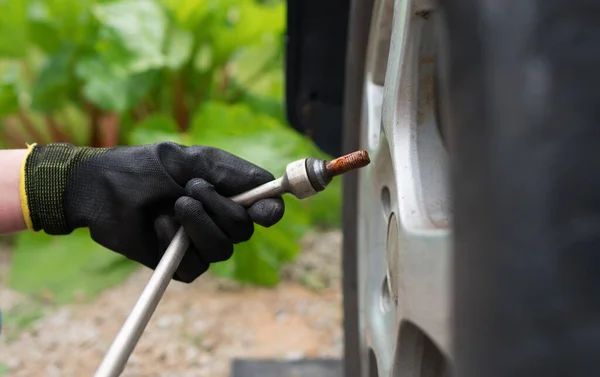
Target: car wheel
(398, 209)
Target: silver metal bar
(268, 190)
(120, 350)
(127, 338)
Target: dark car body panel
(315, 69)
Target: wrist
(11, 215)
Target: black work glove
(133, 199)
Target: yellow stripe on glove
(23, 192)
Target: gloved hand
(133, 199)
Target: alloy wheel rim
(404, 212)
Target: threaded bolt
(351, 161)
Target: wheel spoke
(404, 213)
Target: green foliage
(53, 83)
(102, 72)
(66, 268)
(9, 90)
(131, 34)
(12, 23)
(121, 67)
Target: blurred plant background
(130, 72)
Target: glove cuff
(45, 179)
(23, 190)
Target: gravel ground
(197, 329)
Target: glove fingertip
(165, 227)
(183, 205)
(197, 188)
(261, 176)
(267, 212)
(191, 266)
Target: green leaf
(179, 48)
(188, 13)
(154, 129)
(132, 31)
(203, 59)
(244, 23)
(65, 268)
(159, 122)
(44, 31)
(255, 137)
(112, 88)
(13, 28)
(127, 58)
(228, 24)
(76, 122)
(51, 89)
(258, 69)
(70, 17)
(45, 36)
(272, 107)
(10, 89)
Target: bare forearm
(11, 215)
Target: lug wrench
(302, 178)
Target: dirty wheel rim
(404, 204)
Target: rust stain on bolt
(344, 164)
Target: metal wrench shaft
(127, 338)
(303, 178)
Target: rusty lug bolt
(321, 172)
(349, 162)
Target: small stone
(164, 322)
(52, 370)
(13, 364)
(323, 323)
(200, 326)
(294, 355)
(191, 353)
(281, 316)
(204, 360)
(208, 344)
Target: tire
(358, 31)
(524, 138)
(519, 95)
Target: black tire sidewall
(358, 32)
